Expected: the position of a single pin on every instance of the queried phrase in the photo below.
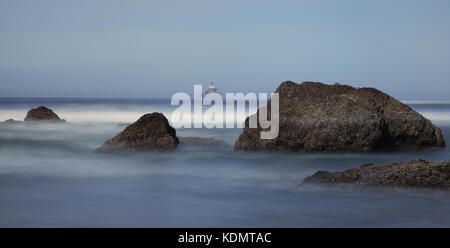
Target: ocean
(51, 176)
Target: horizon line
(150, 98)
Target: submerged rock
(198, 141)
(315, 117)
(11, 122)
(415, 173)
(42, 113)
(151, 132)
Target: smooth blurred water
(50, 176)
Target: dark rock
(315, 117)
(415, 173)
(198, 141)
(151, 132)
(42, 113)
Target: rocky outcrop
(42, 113)
(415, 173)
(198, 141)
(151, 132)
(315, 117)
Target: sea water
(51, 176)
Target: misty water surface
(51, 176)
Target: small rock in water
(42, 113)
(151, 132)
(11, 122)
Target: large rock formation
(42, 113)
(151, 132)
(414, 173)
(315, 117)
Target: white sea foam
(424, 102)
(112, 115)
(442, 117)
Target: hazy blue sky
(156, 48)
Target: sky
(153, 49)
